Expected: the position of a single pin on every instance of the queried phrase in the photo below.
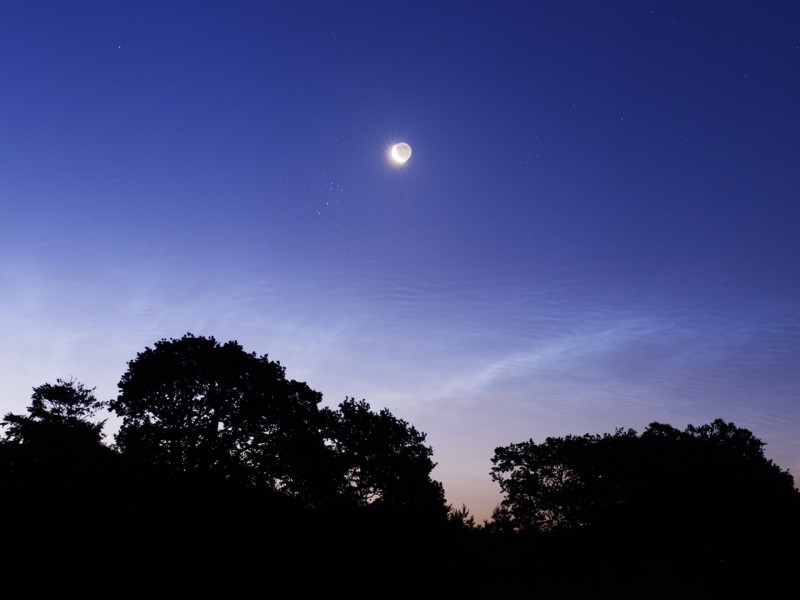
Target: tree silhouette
(382, 459)
(57, 428)
(54, 475)
(711, 482)
(192, 405)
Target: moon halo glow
(400, 153)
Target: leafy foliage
(460, 517)
(192, 405)
(713, 479)
(230, 454)
(380, 458)
(58, 418)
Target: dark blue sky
(598, 227)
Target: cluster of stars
(332, 188)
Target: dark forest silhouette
(228, 480)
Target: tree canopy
(711, 480)
(221, 460)
(380, 458)
(193, 405)
(58, 420)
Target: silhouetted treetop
(195, 405)
(57, 411)
(56, 441)
(711, 478)
(381, 459)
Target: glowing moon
(401, 153)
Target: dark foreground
(140, 537)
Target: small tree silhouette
(58, 421)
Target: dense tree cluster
(196, 406)
(380, 458)
(225, 475)
(712, 478)
(217, 454)
(701, 510)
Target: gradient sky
(599, 226)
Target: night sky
(599, 226)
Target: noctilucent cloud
(599, 227)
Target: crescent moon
(401, 153)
